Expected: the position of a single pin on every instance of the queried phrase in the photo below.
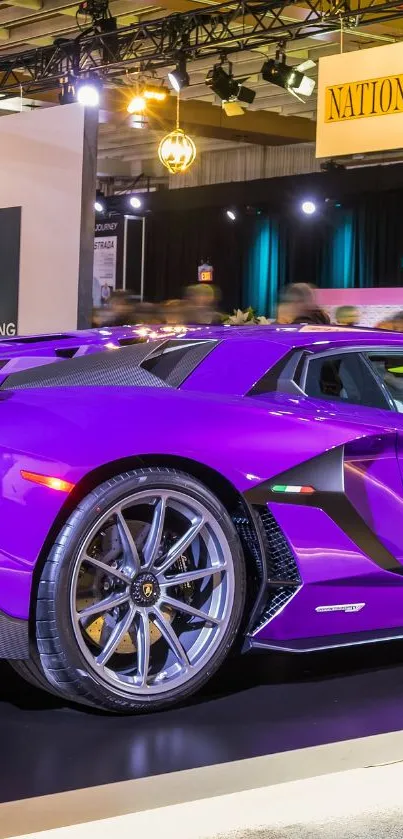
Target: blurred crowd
(200, 305)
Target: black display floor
(258, 705)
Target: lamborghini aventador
(170, 495)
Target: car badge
(343, 607)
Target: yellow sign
(360, 110)
(370, 98)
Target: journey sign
(360, 102)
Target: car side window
(344, 378)
(389, 368)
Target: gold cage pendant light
(177, 150)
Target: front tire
(142, 596)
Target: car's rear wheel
(141, 597)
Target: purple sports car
(169, 495)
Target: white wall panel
(41, 171)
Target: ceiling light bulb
(137, 105)
(88, 95)
(135, 202)
(308, 207)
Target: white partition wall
(48, 169)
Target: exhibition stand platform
(265, 723)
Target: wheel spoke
(103, 605)
(108, 569)
(143, 644)
(191, 576)
(130, 551)
(171, 638)
(116, 636)
(179, 547)
(181, 606)
(154, 537)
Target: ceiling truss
(210, 31)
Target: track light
(152, 93)
(89, 92)
(231, 214)
(232, 92)
(293, 79)
(135, 202)
(137, 105)
(308, 207)
(99, 207)
(143, 96)
(68, 86)
(179, 77)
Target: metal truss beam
(209, 31)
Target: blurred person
(173, 312)
(299, 305)
(145, 312)
(119, 311)
(393, 324)
(199, 305)
(283, 315)
(347, 316)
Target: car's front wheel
(142, 596)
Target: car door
(367, 386)
(387, 365)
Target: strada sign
(358, 110)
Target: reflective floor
(258, 705)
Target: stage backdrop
(47, 172)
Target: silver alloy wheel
(156, 574)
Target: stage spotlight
(67, 93)
(179, 77)
(135, 202)
(232, 92)
(293, 79)
(99, 207)
(89, 93)
(137, 105)
(231, 214)
(153, 93)
(308, 207)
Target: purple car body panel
(214, 421)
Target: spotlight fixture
(292, 79)
(135, 202)
(179, 77)
(308, 207)
(152, 93)
(232, 92)
(231, 214)
(99, 207)
(68, 86)
(137, 105)
(89, 92)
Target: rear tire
(141, 597)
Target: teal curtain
(264, 268)
(343, 252)
(338, 262)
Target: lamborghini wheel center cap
(145, 590)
